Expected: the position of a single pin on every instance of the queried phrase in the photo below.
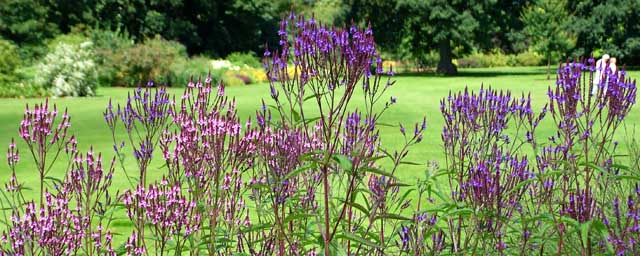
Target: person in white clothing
(601, 64)
(612, 65)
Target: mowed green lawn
(418, 96)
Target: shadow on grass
(481, 72)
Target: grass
(418, 95)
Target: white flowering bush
(69, 70)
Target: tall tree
(416, 27)
(546, 25)
(500, 29)
(387, 21)
(607, 27)
(26, 22)
(443, 25)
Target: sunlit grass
(418, 96)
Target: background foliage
(170, 41)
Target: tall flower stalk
(326, 65)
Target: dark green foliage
(213, 27)
(150, 60)
(608, 27)
(71, 38)
(21, 90)
(9, 61)
(407, 30)
(430, 25)
(249, 58)
(26, 22)
(386, 20)
(108, 46)
(546, 24)
(195, 67)
(498, 59)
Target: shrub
(246, 75)
(528, 58)
(469, 63)
(109, 46)
(69, 70)
(427, 60)
(497, 59)
(220, 70)
(70, 39)
(9, 61)
(480, 60)
(195, 67)
(257, 75)
(241, 59)
(151, 60)
(231, 78)
(21, 90)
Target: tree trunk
(548, 67)
(445, 65)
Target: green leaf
(376, 171)
(300, 216)
(385, 124)
(311, 120)
(627, 177)
(410, 163)
(460, 212)
(296, 115)
(620, 166)
(570, 221)
(56, 181)
(520, 185)
(300, 170)
(313, 96)
(358, 239)
(392, 216)
(359, 207)
(343, 161)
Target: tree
(387, 22)
(500, 28)
(546, 25)
(26, 23)
(440, 24)
(607, 27)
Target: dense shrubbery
(9, 62)
(244, 59)
(150, 60)
(193, 68)
(22, 90)
(429, 61)
(289, 183)
(69, 70)
(481, 60)
(117, 61)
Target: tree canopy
(408, 29)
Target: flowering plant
(308, 173)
